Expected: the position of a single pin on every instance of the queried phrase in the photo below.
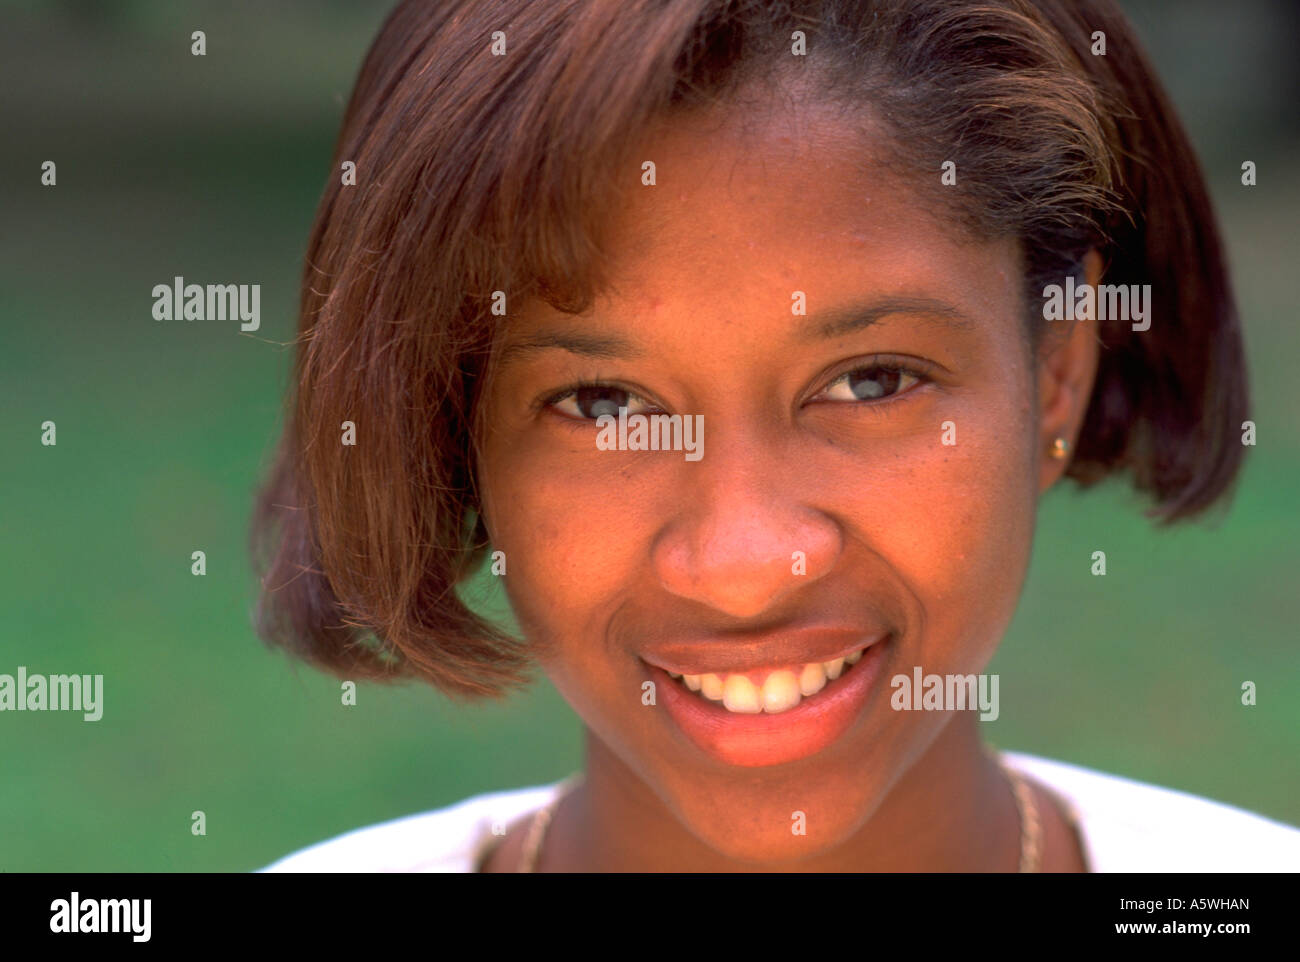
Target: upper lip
(722, 654)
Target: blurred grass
(211, 168)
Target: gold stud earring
(1060, 448)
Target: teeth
(781, 690)
(812, 679)
(740, 695)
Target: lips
(730, 655)
(771, 691)
(748, 737)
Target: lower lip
(752, 740)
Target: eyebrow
(835, 322)
(605, 346)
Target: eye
(586, 402)
(871, 382)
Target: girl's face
(868, 477)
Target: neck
(951, 811)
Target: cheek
(954, 524)
(575, 531)
(570, 527)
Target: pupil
(593, 402)
(874, 382)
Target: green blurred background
(211, 168)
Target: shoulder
(1125, 826)
(1130, 826)
(448, 839)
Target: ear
(1067, 366)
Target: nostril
(740, 585)
(743, 542)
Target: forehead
(755, 202)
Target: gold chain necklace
(1026, 809)
(537, 829)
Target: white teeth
(781, 690)
(740, 695)
(711, 687)
(812, 679)
(673, 674)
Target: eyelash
(921, 375)
(551, 400)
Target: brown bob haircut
(478, 173)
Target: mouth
(769, 716)
(768, 690)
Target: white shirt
(1125, 826)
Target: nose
(748, 532)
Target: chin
(775, 824)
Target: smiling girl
(823, 232)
